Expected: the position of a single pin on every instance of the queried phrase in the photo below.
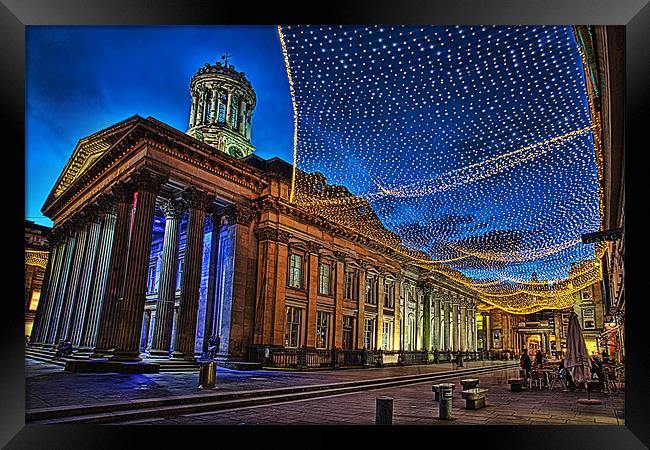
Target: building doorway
(532, 343)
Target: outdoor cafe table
(549, 375)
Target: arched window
(208, 107)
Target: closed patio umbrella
(577, 360)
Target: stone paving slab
(414, 405)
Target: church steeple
(222, 107)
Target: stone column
(213, 106)
(436, 319)
(58, 287)
(338, 299)
(280, 288)
(130, 308)
(447, 316)
(88, 268)
(184, 346)
(426, 318)
(44, 308)
(108, 315)
(312, 288)
(463, 327)
(193, 111)
(64, 325)
(266, 285)
(229, 108)
(108, 210)
(381, 287)
(360, 302)
(162, 332)
(397, 332)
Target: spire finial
(225, 58)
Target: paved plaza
(50, 386)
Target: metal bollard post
(384, 411)
(444, 408)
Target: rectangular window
(295, 271)
(372, 291)
(292, 330)
(322, 329)
(348, 330)
(151, 279)
(349, 285)
(387, 336)
(389, 295)
(33, 302)
(324, 279)
(369, 333)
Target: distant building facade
(36, 258)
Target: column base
(181, 356)
(159, 354)
(100, 354)
(125, 357)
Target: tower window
(223, 98)
(234, 111)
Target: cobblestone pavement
(414, 405)
(50, 386)
(47, 385)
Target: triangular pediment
(88, 151)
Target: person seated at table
(564, 371)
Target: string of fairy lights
(473, 151)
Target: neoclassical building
(164, 238)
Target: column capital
(172, 209)
(283, 236)
(238, 214)
(266, 234)
(123, 192)
(92, 213)
(56, 237)
(107, 203)
(340, 256)
(145, 179)
(363, 266)
(194, 198)
(313, 247)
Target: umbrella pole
(587, 389)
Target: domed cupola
(222, 107)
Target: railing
(304, 358)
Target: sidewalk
(47, 385)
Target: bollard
(207, 375)
(444, 408)
(384, 411)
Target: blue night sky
(80, 80)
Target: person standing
(525, 362)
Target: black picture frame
(15, 15)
